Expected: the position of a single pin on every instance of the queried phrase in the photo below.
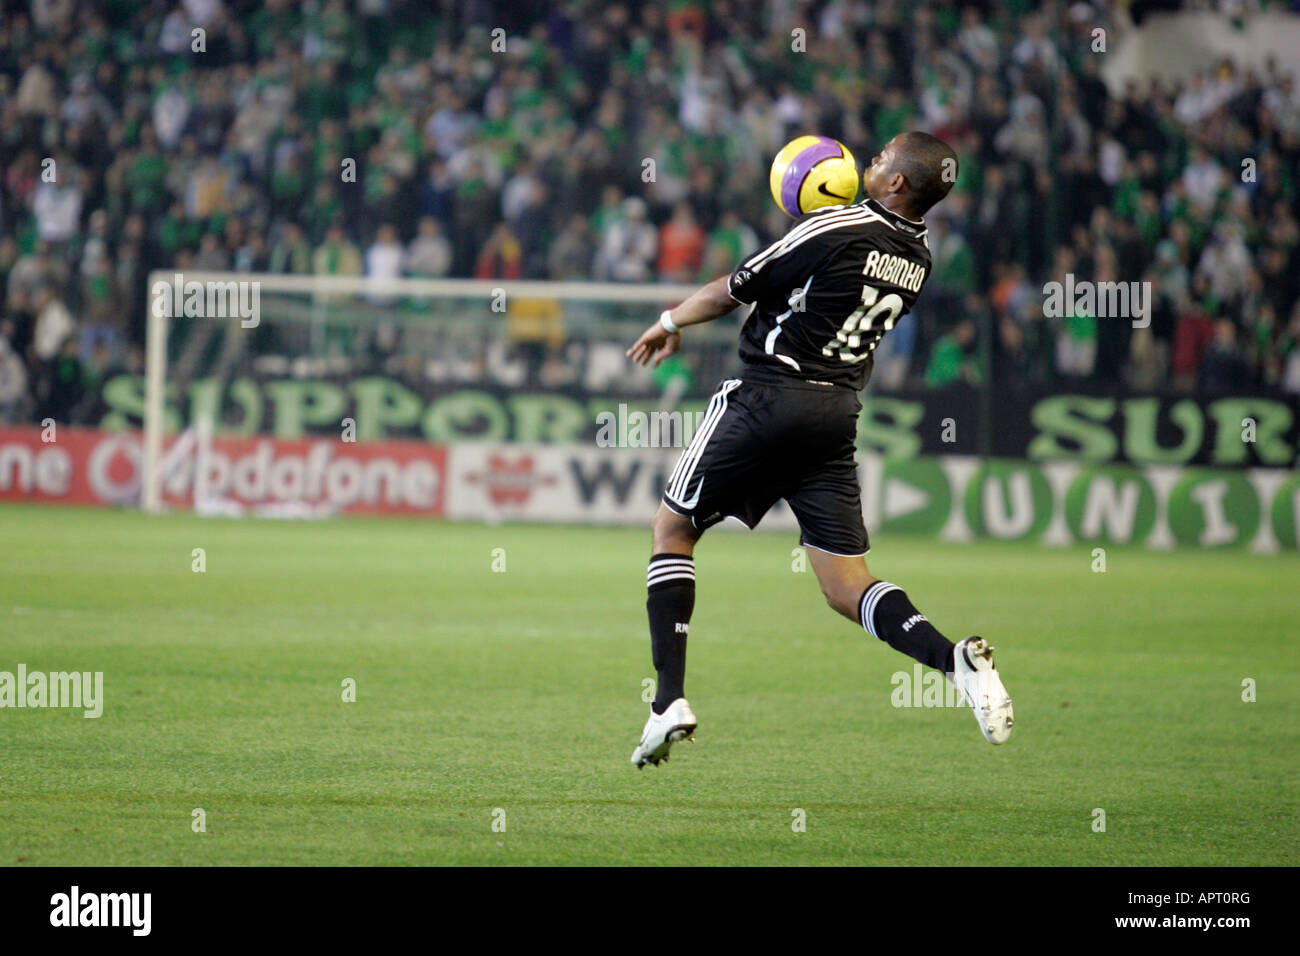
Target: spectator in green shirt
(950, 359)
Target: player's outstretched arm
(657, 343)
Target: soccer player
(822, 297)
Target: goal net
(237, 363)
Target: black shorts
(759, 442)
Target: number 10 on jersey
(863, 329)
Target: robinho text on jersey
(827, 291)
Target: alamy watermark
(129, 910)
(1102, 300)
(75, 689)
(233, 299)
(924, 688)
(637, 429)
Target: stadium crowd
(129, 141)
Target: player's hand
(655, 343)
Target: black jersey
(826, 292)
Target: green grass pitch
(521, 691)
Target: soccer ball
(811, 172)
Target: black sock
(886, 613)
(670, 582)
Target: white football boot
(662, 731)
(977, 678)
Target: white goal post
(176, 296)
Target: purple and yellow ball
(811, 172)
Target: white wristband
(666, 322)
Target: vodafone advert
(227, 475)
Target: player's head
(917, 168)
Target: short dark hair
(928, 164)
